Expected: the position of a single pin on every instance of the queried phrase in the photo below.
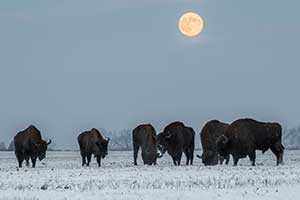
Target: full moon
(190, 24)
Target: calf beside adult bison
(144, 137)
(29, 145)
(208, 136)
(176, 139)
(244, 136)
(92, 143)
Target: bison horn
(168, 136)
(49, 142)
(107, 139)
(226, 139)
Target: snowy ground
(60, 176)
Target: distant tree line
(122, 140)
(291, 138)
(119, 140)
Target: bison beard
(175, 139)
(244, 136)
(29, 145)
(144, 136)
(92, 143)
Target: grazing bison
(29, 145)
(176, 138)
(92, 142)
(244, 136)
(144, 136)
(208, 135)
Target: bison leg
(187, 155)
(135, 153)
(278, 151)
(235, 161)
(174, 160)
(179, 158)
(146, 161)
(252, 157)
(89, 159)
(83, 159)
(192, 154)
(99, 161)
(220, 159)
(20, 160)
(27, 162)
(227, 158)
(33, 160)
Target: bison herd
(219, 140)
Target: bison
(176, 138)
(29, 145)
(244, 136)
(92, 143)
(208, 135)
(144, 136)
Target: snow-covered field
(60, 176)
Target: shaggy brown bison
(29, 145)
(176, 138)
(144, 136)
(208, 137)
(244, 136)
(92, 143)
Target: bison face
(163, 140)
(209, 158)
(150, 157)
(222, 145)
(103, 147)
(41, 148)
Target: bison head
(209, 157)
(150, 156)
(102, 145)
(163, 140)
(222, 145)
(150, 152)
(40, 148)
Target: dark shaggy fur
(144, 136)
(92, 143)
(29, 145)
(176, 139)
(208, 137)
(244, 136)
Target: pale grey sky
(70, 65)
